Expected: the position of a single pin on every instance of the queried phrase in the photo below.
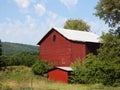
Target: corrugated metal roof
(75, 35)
(65, 68)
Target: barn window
(54, 38)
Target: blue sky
(27, 21)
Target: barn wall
(57, 51)
(78, 51)
(58, 75)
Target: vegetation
(25, 58)
(22, 78)
(40, 68)
(76, 24)
(0, 53)
(96, 70)
(16, 48)
(109, 11)
(0, 48)
(105, 67)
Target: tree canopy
(109, 11)
(76, 24)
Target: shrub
(3, 61)
(40, 68)
(95, 70)
(79, 72)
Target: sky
(27, 21)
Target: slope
(9, 48)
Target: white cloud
(55, 20)
(69, 3)
(23, 3)
(40, 9)
(29, 31)
(20, 31)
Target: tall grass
(22, 78)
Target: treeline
(0, 48)
(9, 48)
(24, 58)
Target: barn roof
(65, 68)
(75, 35)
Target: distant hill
(15, 48)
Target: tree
(76, 24)
(0, 48)
(109, 11)
(0, 54)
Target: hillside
(15, 48)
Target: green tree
(0, 48)
(0, 54)
(76, 24)
(110, 49)
(109, 11)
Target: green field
(22, 78)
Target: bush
(3, 61)
(77, 76)
(40, 68)
(95, 70)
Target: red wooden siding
(61, 51)
(58, 51)
(78, 51)
(58, 75)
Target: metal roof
(76, 35)
(65, 68)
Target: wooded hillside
(16, 48)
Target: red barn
(63, 46)
(59, 74)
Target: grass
(22, 78)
